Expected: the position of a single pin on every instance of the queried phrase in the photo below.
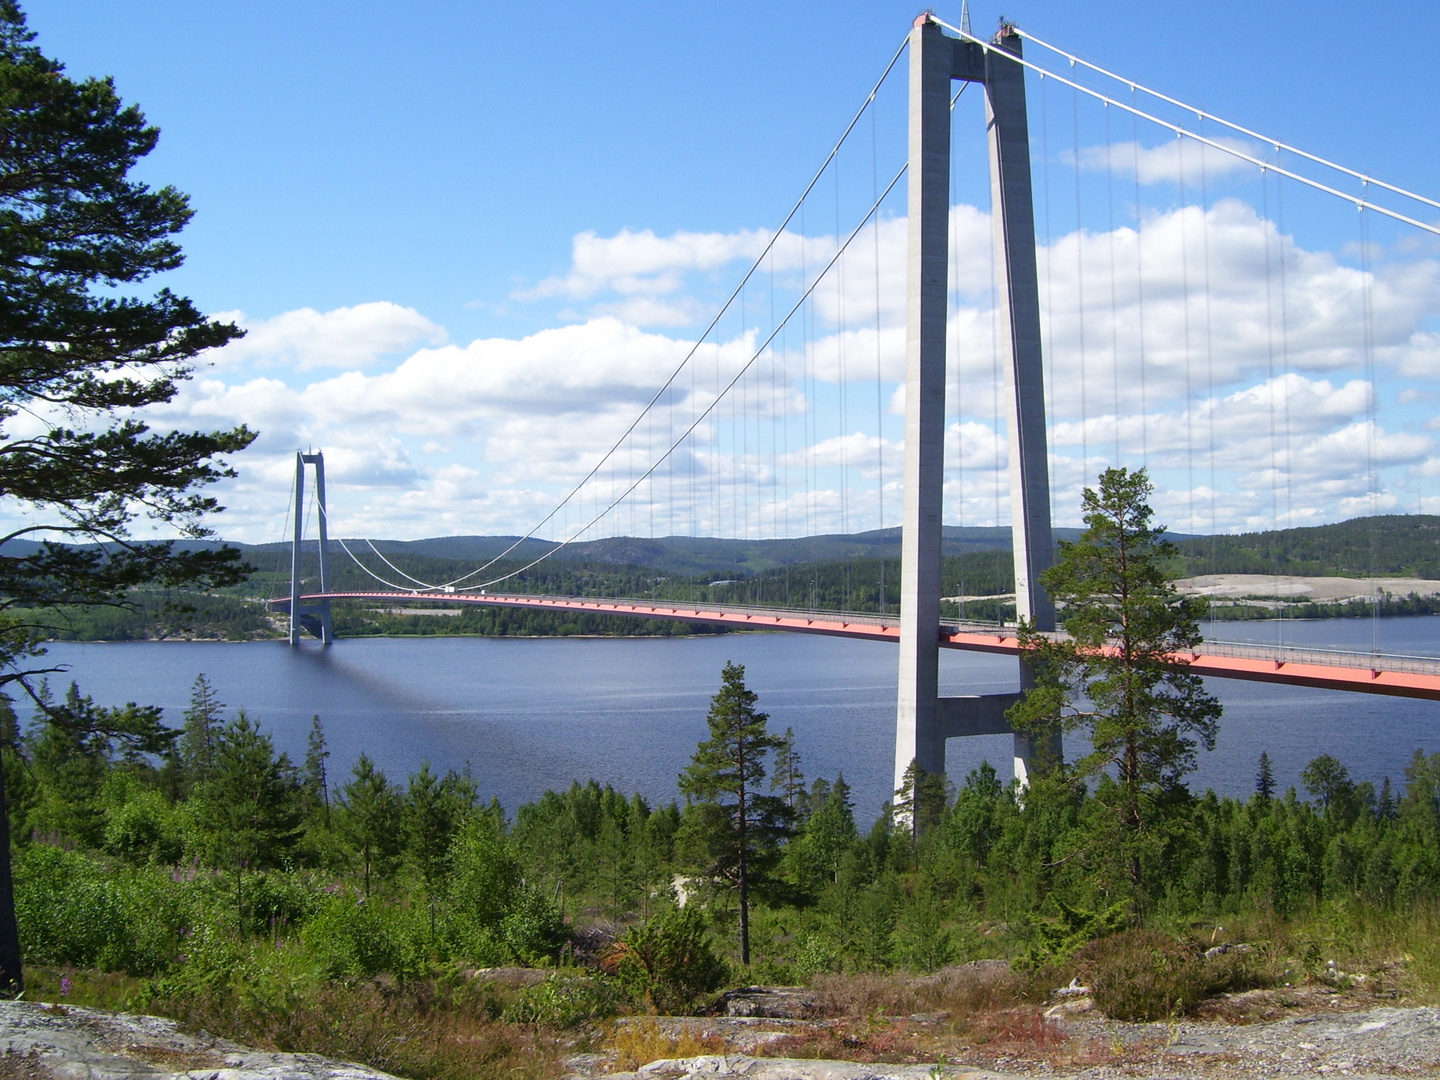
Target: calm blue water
(527, 715)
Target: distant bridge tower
(315, 617)
(924, 720)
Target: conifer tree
(1119, 673)
(920, 800)
(200, 728)
(829, 830)
(733, 829)
(369, 819)
(435, 810)
(250, 807)
(788, 780)
(1264, 778)
(82, 351)
(317, 786)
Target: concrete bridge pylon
(925, 720)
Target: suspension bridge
(1188, 330)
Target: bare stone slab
(56, 1041)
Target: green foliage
(669, 962)
(568, 998)
(357, 938)
(145, 828)
(249, 811)
(733, 832)
(1058, 937)
(533, 929)
(1114, 677)
(367, 817)
(71, 912)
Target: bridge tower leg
(1013, 212)
(319, 621)
(924, 720)
(918, 736)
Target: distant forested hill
(854, 573)
(1390, 545)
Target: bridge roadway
(1368, 673)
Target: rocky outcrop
(57, 1042)
(740, 1067)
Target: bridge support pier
(924, 720)
(315, 617)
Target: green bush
(363, 938)
(1142, 975)
(144, 829)
(669, 962)
(534, 929)
(567, 998)
(68, 913)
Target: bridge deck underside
(1413, 677)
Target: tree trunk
(12, 977)
(744, 875)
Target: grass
(439, 1028)
(445, 1027)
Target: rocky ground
(1289, 1034)
(57, 1042)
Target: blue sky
(426, 170)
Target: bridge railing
(1244, 650)
(1292, 654)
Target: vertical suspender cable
(1367, 315)
(1140, 289)
(1114, 300)
(1185, 319)
(1080, 289)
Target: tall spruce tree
(200, 728)
(735, 831)
(317, 784)
(1119, 673)
(369, 819)
(81, 350)
(1264, 777)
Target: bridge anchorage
(924, 720)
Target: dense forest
(212, 879)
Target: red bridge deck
(1399, 676)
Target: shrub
(68, 913)
(144, 829)
(534, 929)
(669, 962)
(567, 998)
(364, 938)
(1142, 975)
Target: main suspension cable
(1203, 115)
(1215, 144)
(755, 266)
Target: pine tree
(1264, 778)
(829, 830)
(200, 728)
(920, 800)
(1119, 673)
(369, 819)
(735, 831)
(788, 780)
(317, 786)
(250, 807)
(1385, 807)
(435, 810)
(82, 351)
